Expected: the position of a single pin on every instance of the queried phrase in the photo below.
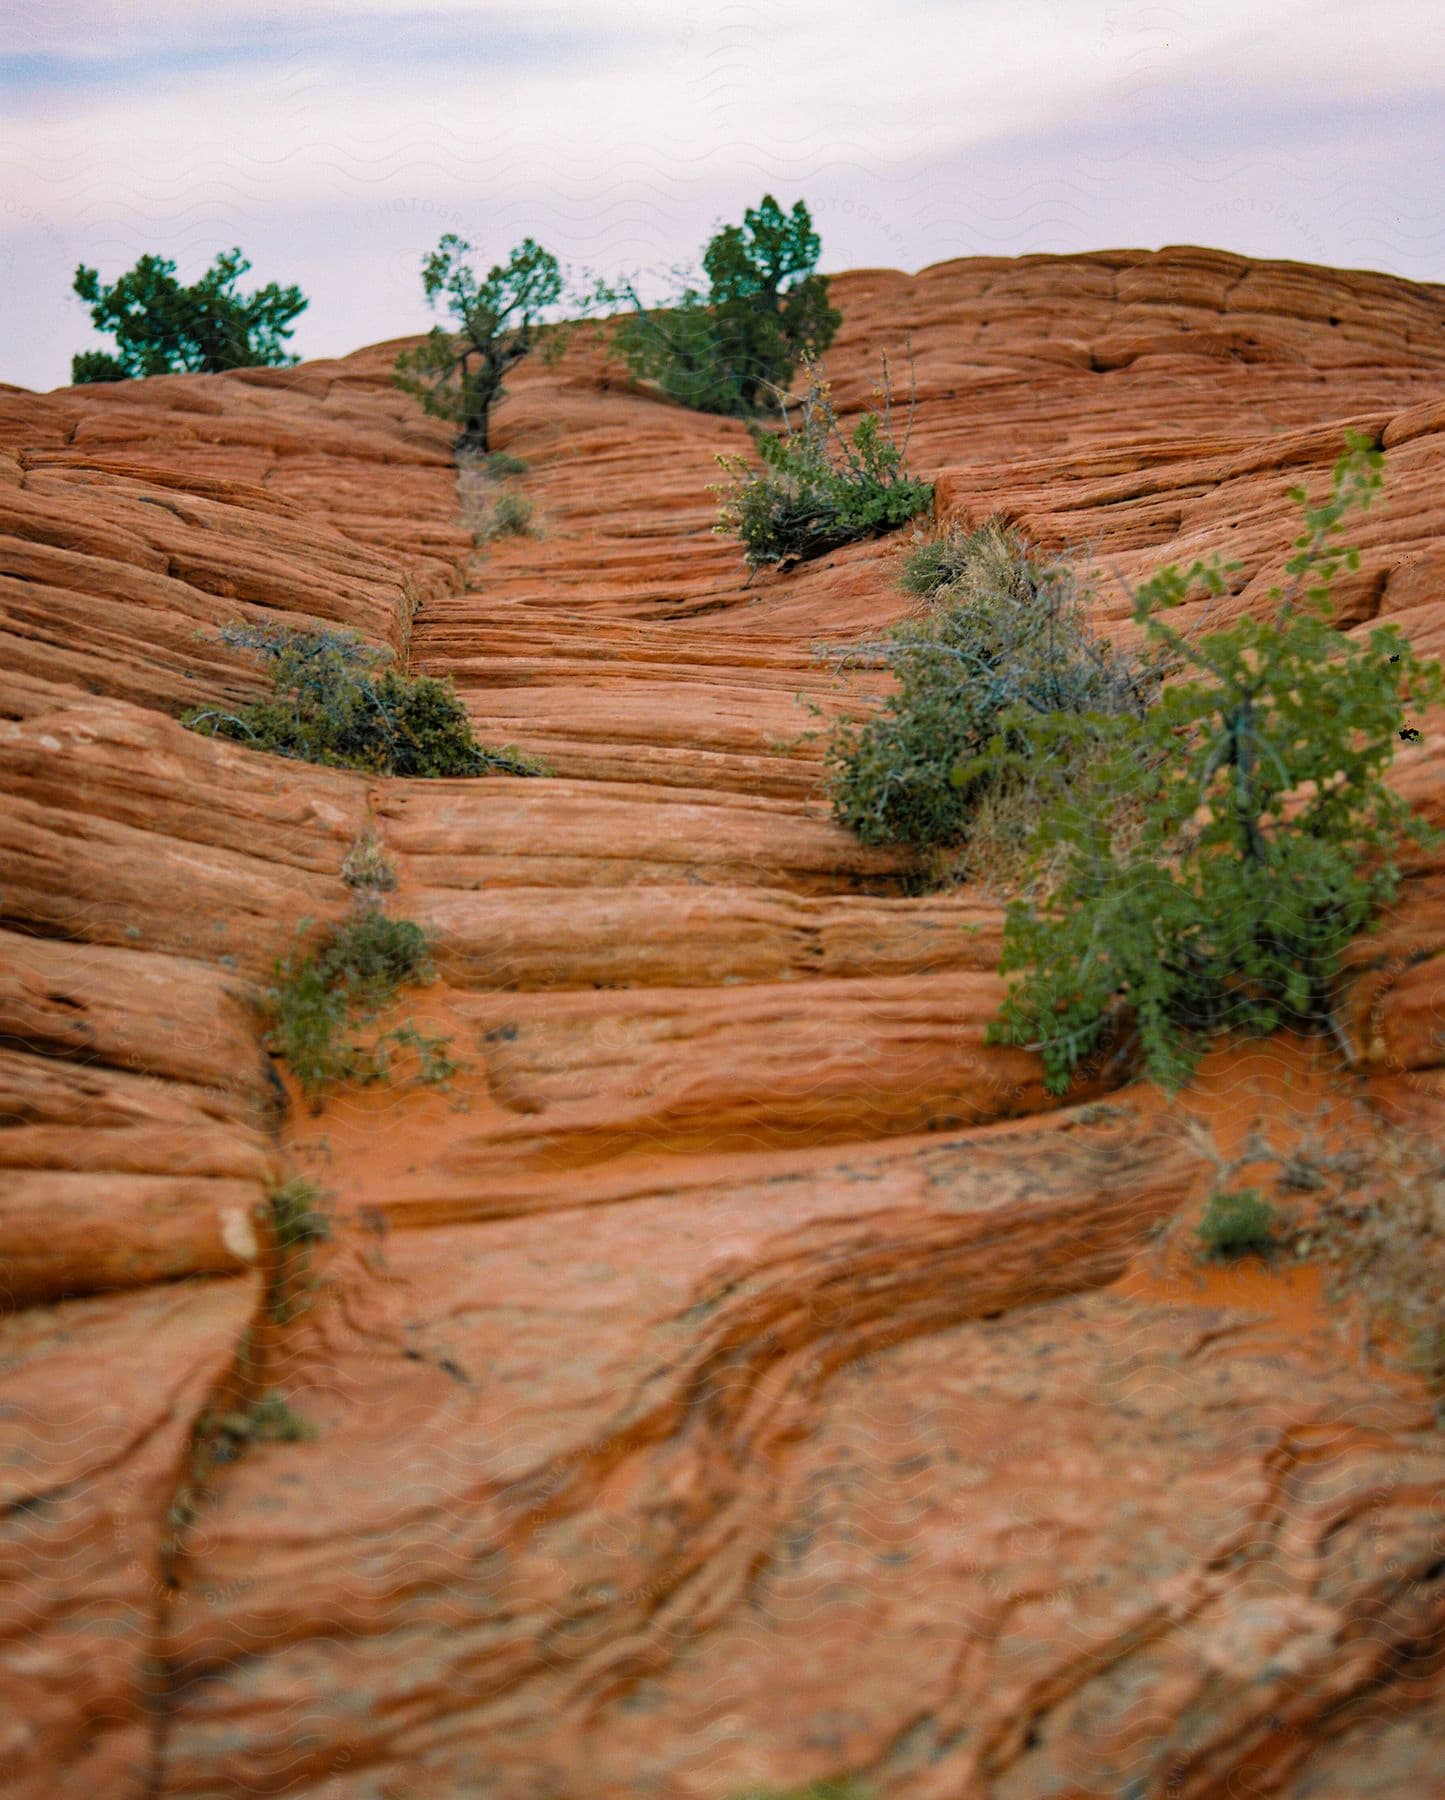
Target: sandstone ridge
(742, 1375)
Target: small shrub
(337, 701)
(511, 516)
(367, 868)
(320, 996)
(1006, 631)
(297, 1214)
(489, 511)
(1239, 1224)
(267, 1420)
(1266, 835)
(818, 489)
(986, 562)
(298, 1221)
(502, 462)
(435, 1063)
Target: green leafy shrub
(1005, 631)
(511, 516)
(268, 1419)
(817, 488)
(339, 702)
(321, 996)
(1238, 1224)
(162, 328)
(458, 375)
(297, 1215)
(298, 1221)
(731, 348)
(502, 462)
(1268, 835)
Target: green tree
(458, 375)
(162, 328)
(728, 349)
(1268, 834)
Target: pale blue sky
(335, 142)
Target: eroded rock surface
(741, 1374)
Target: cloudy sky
(335, 140)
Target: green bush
(502, 462)
(732, 348)
(1268, 834)
(298, 1221)
(1005, 631)
(511, 516)
(339, 702)
(1234, 1225)
(162, 328)
(321, 996)
(817, 488)
(268, 1419)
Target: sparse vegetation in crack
(296, 1220)
(1371, 1212)
(337, 701)
(325, 996)
(367, 869)
(490, 510)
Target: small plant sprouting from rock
(268, 1419)
(819, 488)
(502, 462)
(1238, 1224)
(338, 701)
(367, 869)
(323, 996)
(1264, 836)
(298, 1221)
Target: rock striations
(740, 1375)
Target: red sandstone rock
(742, 1374)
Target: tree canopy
(163, 328)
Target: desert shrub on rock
(1237, 1224)
(336, 700)
(1006, 630)
(1265, 838)
(163, 328)
(817, 487)
(324, 998)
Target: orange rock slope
(740, 1376)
